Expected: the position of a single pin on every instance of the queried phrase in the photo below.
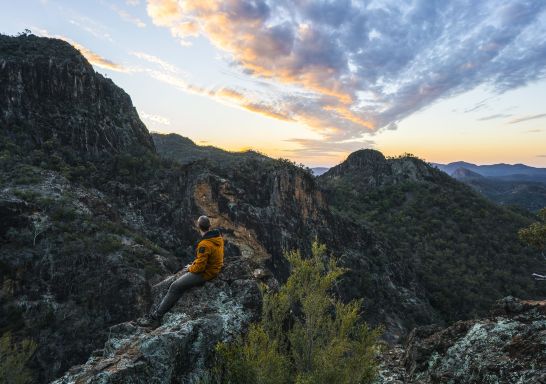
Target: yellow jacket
(209, 257)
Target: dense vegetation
(465, 249)
(305, 335)
(184, 151)
(530, 195)
(535, 235)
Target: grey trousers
(183, 283)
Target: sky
(313, 81)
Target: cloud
(526, 118)
(541, 155)
(495, 116)
(91, 56)
(357, 67)
(128, 17)
(156, 60)
(311, 148)
(534, 130)
(132, 3)
(155, 118)
(91, 27)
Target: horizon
(313, 82)
(330, 166)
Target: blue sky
(315, 80)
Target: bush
(305, 335)
(535, 234)
(13, 360)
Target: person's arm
(201, 259)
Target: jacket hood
(213, 236)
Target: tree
(305, 335)
(535, 235)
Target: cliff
(51, 92)
(508, 346)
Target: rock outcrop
(49, 91)
(180, 350)
(507, 347)
(368, 168)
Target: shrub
(13, 360)
(305, 335)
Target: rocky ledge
(180, 349)
(508, 347)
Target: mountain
(519, 172)
(94, 216)
(317, 171)
(529, 195)
(465, 174)
(516, 185)
(454, 238)
(184, 151)
(97, 216)
(52, 96)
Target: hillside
(454, 238)
(530, 195)
(184, 151)
(501, 184)
(98, 214)
(93, 216)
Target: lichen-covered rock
(180, 350)
(509, 347)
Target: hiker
(208, 262)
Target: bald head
(203, 223)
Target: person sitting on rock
(206, 266)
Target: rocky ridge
(90, 225)
(180, 350)
(51, 92)
(507, 347)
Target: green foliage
(13, 359)
(305, 335)
(535, 234)
(455, 239)
(107, 243)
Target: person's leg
(176, 289)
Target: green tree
(305, 335)
(535, 235)
(13, 359)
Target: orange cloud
(91, 56)
(268, 52)
(96, 59)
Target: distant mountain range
(515, 172)
(317, 171)
(506, 184)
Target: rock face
(368, 168)
(507, 347)
(48, 91)
(180, 350)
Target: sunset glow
(314, 81)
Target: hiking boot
(149, 321)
